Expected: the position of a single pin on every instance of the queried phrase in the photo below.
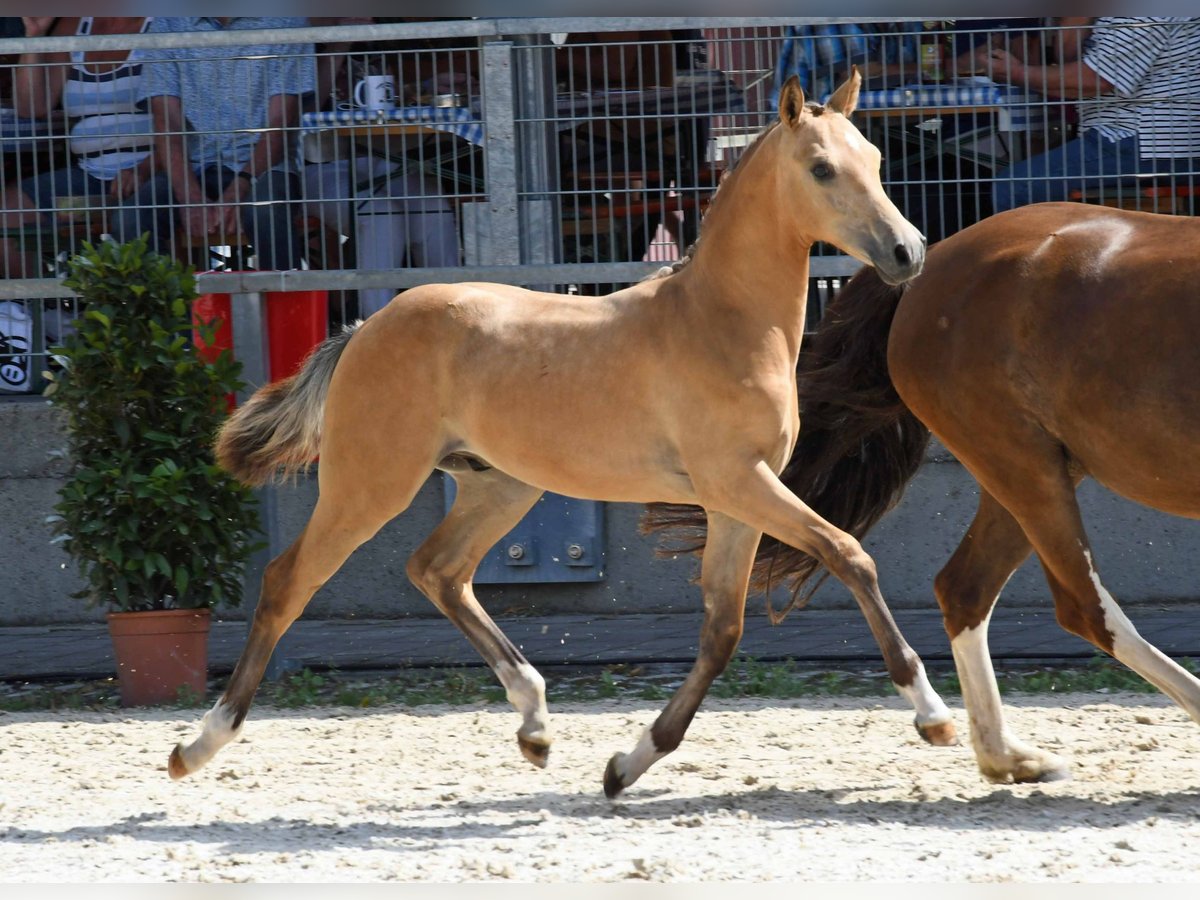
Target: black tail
(859, 444)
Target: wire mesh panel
(575, 153)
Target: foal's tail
(280, 426)
(859, 444)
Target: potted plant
(160, 533)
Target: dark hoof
(613, 785)
(940, 734)
(536, 751)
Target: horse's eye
(822, 171)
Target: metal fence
(575, 154)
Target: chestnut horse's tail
(280, 426)
(859, 444)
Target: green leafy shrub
(150, 519)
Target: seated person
(110, 139)
(632, 162)
(1136, 89)
(397, 213)
(222, 116)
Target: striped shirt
(1153, 64)
(109, 133)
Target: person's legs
(30, 208)
(270, 221)
(149, 209)
(400, 219)
(327, 194)
(1088, 161)
(430, 228)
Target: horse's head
(831, 173)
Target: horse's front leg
(489, 503)
(763, 501)
(725, 572)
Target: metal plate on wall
(560, 540)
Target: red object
(158, 652)
(297, 321)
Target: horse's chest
(769, 419)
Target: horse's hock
(1143, 551)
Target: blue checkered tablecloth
(1017, 107)
(453, 120)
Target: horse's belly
(597, 478)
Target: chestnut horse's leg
(724, 575)
(967, 589)
(289, 582)
(1038, 491)
(489, 503)
(763, 501)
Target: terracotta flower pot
(159, 652)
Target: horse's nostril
(902, 255)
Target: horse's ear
(845, 98)
(791, 102)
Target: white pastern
(644, 755)
(980, 693)
(217, 731)
(925, 700)
(526, 691)
(1000, 755)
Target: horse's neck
(749, 262)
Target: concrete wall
(1143, 555)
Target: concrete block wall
(1144, 556)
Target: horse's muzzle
(902, 261)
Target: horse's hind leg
(1037, 489)
(967, 589)
(489, 503)
(289, 582)
(724, 575)
(763, 501)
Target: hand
(38, 26)
(998, 64)
(126, 183)
(210, 220)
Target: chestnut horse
(1042, 346)
(680, 388)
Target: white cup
(376, 92)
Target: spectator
(397, 214)
(1136, 83)
(222, 116)
(110, 140)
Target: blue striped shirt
(1153, 64)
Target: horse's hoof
(613, 782)
(1034, 768)
(939, 734)
(536, 750)
(1041, 772)
(175, 766)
